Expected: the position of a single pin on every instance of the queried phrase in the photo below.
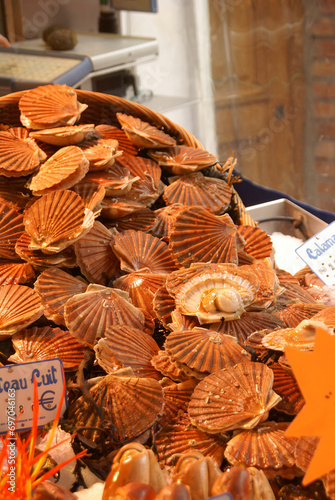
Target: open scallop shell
(19, 157)
(128, 346)
(95, 256)
(293, 314)
(137, 250)
(163, 363)
(19, 307)
(181, 160)
(199, 236)
(200, 352)
(179, 437)
(302, 336)
(37, 344)
(15, 273)
(141, 286)
(50, 106)
(56, 287)
(196, 189)
(14, 193)
(110, 132)
(101, 154)
(248, 323)
(11, 228)
(140, 220)
(88, 315)
(129, 406)
(266, 448)
(258, 243)
(40, 260)
(142, 134)
(238, 397)
(63, 136)
(56, 221)
(62, 171)
(286, 386)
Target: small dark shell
(286, 386)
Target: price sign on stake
(319, 254)
(17, 392)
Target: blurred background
(253, 77)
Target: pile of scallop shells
(130, 257)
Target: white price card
(319, 254)
(17, 393)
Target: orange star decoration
(315, 374)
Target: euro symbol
(47, 400)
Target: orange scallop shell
(258, 243)
(269, 287)
(37, 344)
(61, 171)
(293, 314)
(56, 287)
(91, 194)
(179, 437)
(286, 386)
(137, 250)
(11, 228)
(200, 352)
(15, 273)
(165, 217)
(95, 256)
(141, 286)
(101, 154)
(128, 346)
(142, 134)
(114, 208)
(180, 322)
(199, 236)
(176, 399)
(164, 364)
(50, 106)
(196, 189)
(163, 305)
(129, 406)
(19, 157)
(140, 220)
(57, 220)
(20, 132)
(302, 336)
(19, 307)
(63, 136)
(327, 316)
(238, 397)
(14, 193)
(110, 132)
(181, 160)
(265, 447)
(88, 315)
(117, 181)
(295, 293)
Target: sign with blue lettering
(17, 393)
(319, 254)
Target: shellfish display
(126, 252)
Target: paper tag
(319, 254)
(223, 496)
(17, 393)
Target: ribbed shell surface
(19, 307)
(18, 157)
(11, 228)
(142, 134)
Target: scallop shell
(238, 397)
(40, 260)
(269, 287)
(200, 352)
(266, 448)
(165, 217)
(110, 132)
(304, 451)
(248, 323)
(199, 236)
(50, 106)
(37, 344)
(163, 305)
(142, 134)
(14, 193)
(180, 160)
(129, 406)
(114, 208)
(128, 346)
(95, 256)
(63, 136)
(11, 228)
(286, 386)
(176, 399)
(141, 286)
(62, 171)
(180, 322)
(215, 294)
(88, 315)
(19, 157)
(180, 437)
(56, 221)
(116, 181)
(140, 220)
(56, 287)
(164, 364)
(15, 273)
(286, 277)
(302, 336)
(293, 314)
(20, 132)
(91, 194)
(258, 242)
(196, 189)
(295, 293)
(19, 307)
(137, 250)
(327, 316)
(101, 154)
(241, 216)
